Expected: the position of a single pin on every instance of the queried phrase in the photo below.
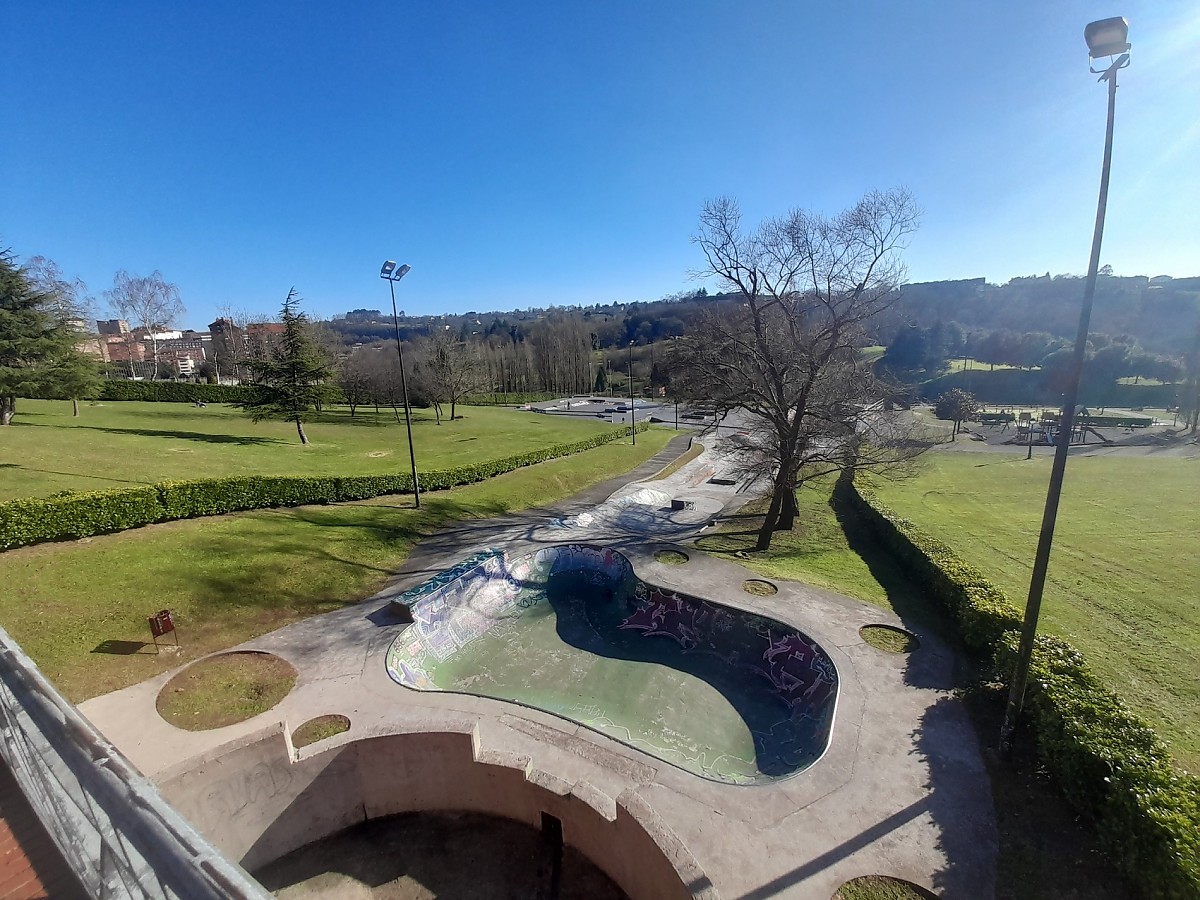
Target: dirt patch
(759, 587)
(319, 729)
(670, 557)
(890, 639)
(881, 887)
(226, 689)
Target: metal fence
(108, 821)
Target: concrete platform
(901, 790)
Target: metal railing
(108, 821)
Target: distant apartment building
(185, 352)
(112, 327)
(122, 349)
(233, 345)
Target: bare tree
(149, 302)
(788, 354)
(67, 298)
(354, 377)
(451, 370)
(383, 374)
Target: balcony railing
(108, 821)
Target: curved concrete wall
(255, 803)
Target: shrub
(76, 514)
(1108, 762)
(216, 496)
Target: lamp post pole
(1107, 35)
(632, 411)
(392, 275)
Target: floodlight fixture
(391, 273)
(1107, 37)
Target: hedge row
(174, 392)
(1110, 764)
(76, 514)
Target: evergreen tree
(601, 384)
(34, 347)
(76, 377)
(293, 382)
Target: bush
(216, 496)
(71, 515)
(1108, 762)
(174, 392)
(74, 515)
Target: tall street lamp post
(392, 274)
(1105, 38)
(632, 411)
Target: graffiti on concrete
(780, 682)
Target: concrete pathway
(901, 791)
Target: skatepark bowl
(723, 693)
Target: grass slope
(1122, 583)
(1045, 852)
(79, 609)
(123, 444)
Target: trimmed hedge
(1109, 763)
(76, 514)
(174, 392)
(80, 514)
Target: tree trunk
(396, 412)
(437, 411)
(74, 408)
(8, 406)
(788, 510)
(451, 410)
(300, 431)
(772, 517)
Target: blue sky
(526, 154)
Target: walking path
(901, 790)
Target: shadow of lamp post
(1105, 38)
(391, 274)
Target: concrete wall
(255, 803)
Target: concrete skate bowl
(259, 804)
(723, 693)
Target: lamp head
(391, 273)
(1107, 37)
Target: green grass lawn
(821, 551)
(1124, 572)
(79, 608)
(958, 364)
(119, 444)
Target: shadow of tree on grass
(243, 439)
